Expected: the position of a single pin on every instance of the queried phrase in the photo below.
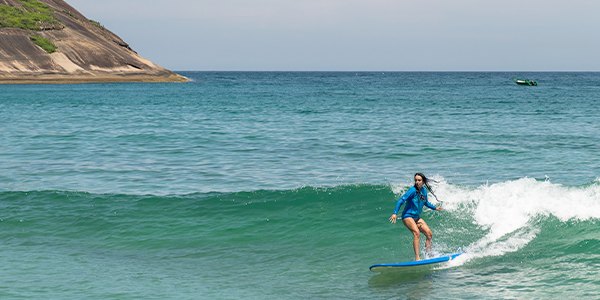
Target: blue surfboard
(425, 262)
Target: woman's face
(419, 181)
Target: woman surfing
(416, 198)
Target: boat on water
(526, 82)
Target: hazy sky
(356, 35)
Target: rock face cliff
(86, 51)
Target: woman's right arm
(401, 201)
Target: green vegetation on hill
(34, 5)
(97, 24)
(44, 43)
(35, 12)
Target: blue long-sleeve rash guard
(414, 205)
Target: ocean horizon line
(342, 71)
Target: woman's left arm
(432, 206)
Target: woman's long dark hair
(426, 184)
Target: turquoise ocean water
(279, 185)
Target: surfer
(416, 198)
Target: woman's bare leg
(412, 226)
(428, 234)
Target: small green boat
(526, 82)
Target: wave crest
(512, 212)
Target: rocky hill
(48, 41)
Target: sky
(357, 35)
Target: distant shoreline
(89, 79)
